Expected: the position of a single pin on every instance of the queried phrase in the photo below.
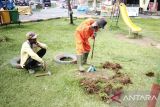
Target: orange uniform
(82, 34)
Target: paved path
(150, 16)
(51, 13)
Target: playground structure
(133, 6)
(115, 13)
(132, 27)
(116, 8)
(120, 8)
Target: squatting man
(32, 52)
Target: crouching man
(32, 52)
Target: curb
(38, 20)
(46, 19)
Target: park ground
(62, 89)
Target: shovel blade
(91, 69)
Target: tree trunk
(70, 12)
(95, 5)
(154, 6)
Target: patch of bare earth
(106, 82)
(144, 41)
(150, 74)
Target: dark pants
(31, 63)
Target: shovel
(48, 73)
(93, 48)
(43, 74)
(92, 68)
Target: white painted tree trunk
(144, 4)
(94, 5)
(154, 6)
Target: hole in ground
(66, 59)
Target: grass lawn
(61, 89)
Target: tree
(154, 6)
(70, 12)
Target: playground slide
(127, 20)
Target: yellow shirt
(27, 51)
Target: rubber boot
(154, 95)
(79, 63)
(85, 56)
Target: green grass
(20, 89)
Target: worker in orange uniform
(84, 31)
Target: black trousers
(31, 63)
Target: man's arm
(33, 54)
(41, 45)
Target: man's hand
(38, 44)
(44, 65)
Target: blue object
(1, 4)
(82, 8)
(10, 4)
(92, 68)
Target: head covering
(31, 35)
(101, 23)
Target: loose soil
(150, 74)
(105, 83)
(113, 66)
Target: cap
(101, 23)
(31, 35)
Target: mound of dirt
(113, 66)
(105, 83)
(150, 74)
(105, 88)
(122, 78)
(102, 87)
(90, 85)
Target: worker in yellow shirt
(32, 52)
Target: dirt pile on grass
(113, 66)
(90, 85)
(103, 87)
(150, 74)
(122, 78)
(107, 88)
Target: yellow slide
(127, 20)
